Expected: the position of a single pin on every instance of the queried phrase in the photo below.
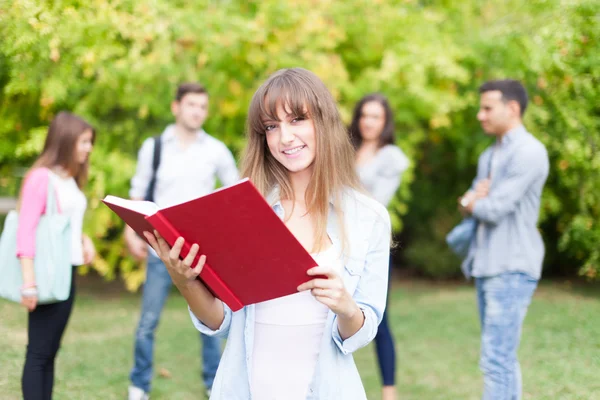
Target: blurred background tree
(118, 62)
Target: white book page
(139, 206)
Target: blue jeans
(503, 302)
(156, 289)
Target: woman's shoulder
(391, 151)
(35, 186)
(393, 158)
(38, 175)
(360, 206)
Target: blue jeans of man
(503, 301)
(156, 290)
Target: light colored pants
(503, 301)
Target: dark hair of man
(187, 88)
(512, 90)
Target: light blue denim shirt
(507, 237)
(365, 276)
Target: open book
(250, 254)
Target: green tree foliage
(552, 46)
(117, 62)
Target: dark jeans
(46, 325)
(384, 344)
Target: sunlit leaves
(117, 63)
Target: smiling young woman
(300, 158)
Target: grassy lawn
(435, 326)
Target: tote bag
(52, 259)
(460, 237)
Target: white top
(382, 174)
(72, 202)
(281, 370)
(183, 173)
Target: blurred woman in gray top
(380, 164)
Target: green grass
(436, 330)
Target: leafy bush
(117, 63)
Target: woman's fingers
(176, 251)
(152, 240)
(319, 283)
(172, 255)
(329, 293)
(328, 301)
(322, 270)
(198, 268)
(162, 244)
(29, 302)
(189, 259)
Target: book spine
(208, 274)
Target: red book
(251, 256)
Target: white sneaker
(135, 393)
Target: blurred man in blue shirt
(506, 253)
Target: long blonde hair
(299, 91)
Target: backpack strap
(155, 164)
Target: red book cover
(250, 254)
